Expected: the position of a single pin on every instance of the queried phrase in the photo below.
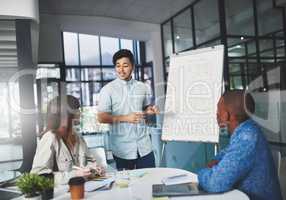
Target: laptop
(186, 189)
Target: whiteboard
(193, 89)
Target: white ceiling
(151, 11)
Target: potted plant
(28, 183)
(46, 184)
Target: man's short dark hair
(123, 53)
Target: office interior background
(57, 47)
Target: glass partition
(206, 20)
(239, 17)
(183, 35)
(269, 19)
(167, 39)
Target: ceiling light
(241, 38)
(177, 37)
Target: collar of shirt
(240, 126)
(129, 82)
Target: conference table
(140, 188)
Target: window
(10, 128)
(127, 44)
(71, 48)
(47, 88)
(89, 49)
(74, 89)
(253, 32)
(266, 48)
(206, 20)
(236, 47)
(236, 73)
(48, 73)
(239, 17)
(183, 35)
(269, 19)
(94, 69)
(109, 46)
(167, 39)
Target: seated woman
(61, 150)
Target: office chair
(100, 156)
(277, 160)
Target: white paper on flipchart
(193, 90)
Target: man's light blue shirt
(121, 97)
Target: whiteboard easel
(195, 84)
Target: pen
(177, 176)
(76, 167)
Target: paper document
(91, 186)
(178, 179)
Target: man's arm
(216, 159)
(235, 164)
(105, 117)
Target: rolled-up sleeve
(235, 164)
(104, 102)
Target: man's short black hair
(123, 53)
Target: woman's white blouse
(51, 149)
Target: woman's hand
(97, 169)
(83, 171)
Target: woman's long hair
(60, 115)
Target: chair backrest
(100, 156)
(277, 159)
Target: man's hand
(152, 110)
(134, 117)
(212, 163)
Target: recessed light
(177, 37)
(241, 38)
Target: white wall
(18, 9)
(51, 26)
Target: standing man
(124, 103)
